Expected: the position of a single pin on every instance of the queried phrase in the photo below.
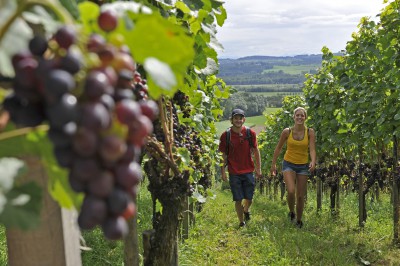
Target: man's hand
(223, 175)
(258, 173)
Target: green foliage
(174, 43)
(23, 206)
(355, 95)
(20, 203)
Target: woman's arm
(278, 148)
(313, 153)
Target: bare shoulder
(286, 132)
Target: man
(238, 144)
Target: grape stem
(154, 148)
(167, 132)
(24, 5)
(21, 131)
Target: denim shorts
(300, 169)
(242, 186)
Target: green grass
(293, 69)
(269, 238)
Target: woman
(295, 167)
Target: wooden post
(56, 241)
(360, 195)
(185, 222)
(147, 238)
(337, 195)
(131, 243)
(192, 218)
(319, 194)
(395, 192)
(275, 189)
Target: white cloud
(291, 27)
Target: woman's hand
(273, 170)
(311, 167)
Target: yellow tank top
(297, 150)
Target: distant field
(293, 69)
(278, 87)
(270, 89)
(250, 121)
(276, 93)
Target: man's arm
(257, 158)
(223, 166)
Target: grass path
(270, 239)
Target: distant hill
(268, 69)
(297, 59)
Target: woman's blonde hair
(300, 108)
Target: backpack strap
(228, 140)
(249, 137)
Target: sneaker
(291, 216)
(247, 216)
(242, 224)
(299, 224)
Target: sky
(291, 27)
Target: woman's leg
(289, 178)
(301, 187)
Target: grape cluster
(182, 100)
(185, 136)
(96, 124)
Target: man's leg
(246, 205)
(239, 210)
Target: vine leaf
(10, 168)
(22, 209)
(16, 39)
(160, 72)
(198, 197)
(19, 205)
(184, 155)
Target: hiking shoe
(291, 216)
(299, 224)
(242, 224)
(246, 216)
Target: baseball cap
(237, 112)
